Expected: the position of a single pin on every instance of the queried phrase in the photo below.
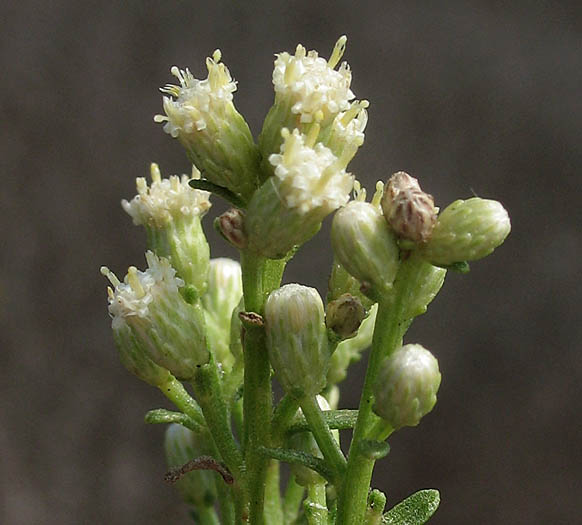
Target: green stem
(177, 394)
(273, 510)
(316, 505)
(257, 404)
(292, 500)
(225, 503)
(327, 444)
(388, 332)
(208, 390)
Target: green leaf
(414, 510)
(225, 193)
(163, 416)
(372, 449)
(459, 267)
(296, 457)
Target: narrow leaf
(414, 510)
(225, 193)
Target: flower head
(311, 175)
(170, 211)
(195, 105)
(166, 200)
(201, 114)
(315, 90)
(170, 331)
(309, 183)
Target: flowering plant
(225, 327)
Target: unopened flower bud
(411, 215)
(202, 116)
(223, 295)
(409, 211)
(467, 231)
(297, 339)
(309, 183)
(308, 90)
(350, 350)
(364, 244)
(231, 227)
(305, 442)
(169, 329)
(344, 316)
(396, 183)
(406, 386)
(182, 445)
(171, 211)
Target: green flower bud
(344, 316)
(223, 295)
(309, 183)
(297, 339)
(350, 350)
(171, 211)
(467, 231)
(182, 445)
(406, 386)
(305, 442)
(308, 90)
(202, 116)
(364, 244)
(169, 330)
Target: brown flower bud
(409, 211)
(344, 315)
(398, 182)
(230, 225)
(411, 214)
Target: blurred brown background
(470, 97)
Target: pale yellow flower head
(312, 85)
(166, 200)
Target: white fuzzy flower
(313, 88)
(197, 103)
(170, 331)
(133, 296)
(311, 176)
(166, 199)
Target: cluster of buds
(184, 318)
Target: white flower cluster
(315, 90)
(133, 297)
(166, 199)
(311, 175)
(198, 102)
